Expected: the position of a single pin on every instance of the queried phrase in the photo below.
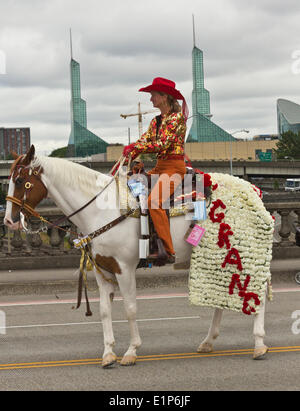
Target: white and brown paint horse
(70, 186)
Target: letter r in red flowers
(224, 233)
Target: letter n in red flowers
(235, 281)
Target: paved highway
(47, 345)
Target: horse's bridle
(30, 172)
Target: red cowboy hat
(165, 86)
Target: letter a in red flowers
(217, 218)
(237, 260)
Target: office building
(14, 139)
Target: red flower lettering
(235, 280)
(217, 218)
(224, 233)
(248, 297)
(237, 260)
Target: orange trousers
(168, 175)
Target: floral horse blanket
(230, 268)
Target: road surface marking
(144, 358)
(140, 297)
(99, 322)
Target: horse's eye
(19, 181)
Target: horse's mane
(72, 174)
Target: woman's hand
(127, 149)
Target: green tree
(288, 145)
(59, 152)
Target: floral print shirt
(170, 137)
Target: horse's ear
(29, 155)
(14, 155)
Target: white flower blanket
(230, 268)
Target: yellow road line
(50, 362)
(42, 365)
(143, 358)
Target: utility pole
(140, 115)
(140, 120)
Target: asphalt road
(47, 345)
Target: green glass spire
(78, 105)
(82, 142)
(200, 96)
(202, 129)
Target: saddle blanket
(230, 268)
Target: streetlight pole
(235, 132)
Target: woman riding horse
(165, 137)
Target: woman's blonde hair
(175, 107)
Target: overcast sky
(251, 58)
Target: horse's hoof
(260, 353)
(128, 360)
(205, 347)
(109, 360)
